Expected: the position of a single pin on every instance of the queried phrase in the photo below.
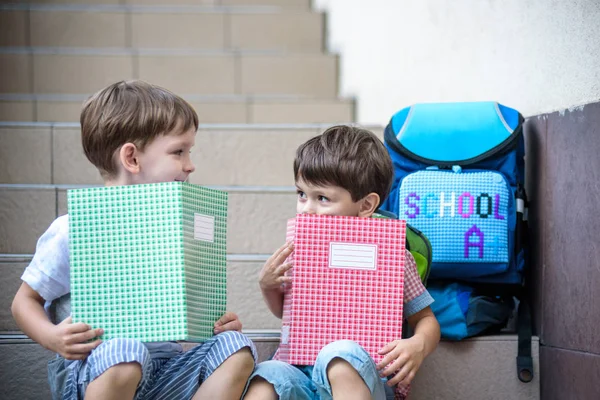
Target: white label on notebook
(285, 334)
(204, 228)
(353, 256)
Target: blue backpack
(459, 179)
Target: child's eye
(301, 194)
(178, 152)
(323, 199)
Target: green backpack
(418, 245)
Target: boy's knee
(339, 371)
(122, 375)
(233, 342)
(341, 349)
(259, 388)
(342, 360)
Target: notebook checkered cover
(348, 281)
(143, 262)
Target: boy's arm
(272, 277)
(67, 339)
(406, 355)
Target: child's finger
(385, 361)
(84, 348)
(387, 348)
(390, 369)
(400, 376)
(225, 318)
(78, 327)
(283, 268)
(278, 252)
(284, 279)
(285, 253)
(85, 336)
(230, 326)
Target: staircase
(262, 82)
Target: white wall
(533, 55)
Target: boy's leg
(230, 355)
(344, 370)
(278, 380)
(113, 370)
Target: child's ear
(368, 205)
(128, 158)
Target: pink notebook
(348, 281)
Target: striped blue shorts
(177, 377)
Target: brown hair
(349, 157)
(133, 111)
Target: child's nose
(308, 208)
(190, 167)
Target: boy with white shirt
(134, 133)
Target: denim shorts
(310, 382)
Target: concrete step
(48, 70)
(235, 109)
(474, 369)
(165, 26)
(226, 155)
(256, 222)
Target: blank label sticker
(353, 256)
(204, 228)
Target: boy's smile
(325, 200)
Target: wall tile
(571, 208)
(569, 374)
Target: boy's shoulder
(59, 227)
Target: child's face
(167, 158)
(325, 200)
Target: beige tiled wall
(16, 73)
(190, 74)
(303, 74)
(24, 215)
(25, 155)
(16, 110)
(13, 31)
(302, 32)
(77, 28)
(302, 111)
(169, 30)
(69, 73)
(69, 164)
(251, 157)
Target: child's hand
(71, 340)
(272, 274)
(404, 357)
(228, 322)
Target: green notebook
(148, 261)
